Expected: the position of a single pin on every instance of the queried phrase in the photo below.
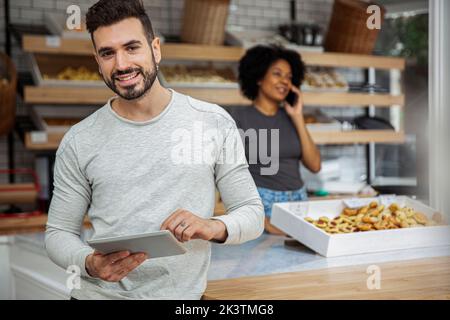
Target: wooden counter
(412, 279)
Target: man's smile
(126, 80)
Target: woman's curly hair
(254, 64)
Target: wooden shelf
(172, 51)
(350, 99)
(358, 136)
(18, 193)
(347, 60)
(46, 44)
(67, 95)
(99, 96)
(192, 52)
(53, 140)
(339, 137)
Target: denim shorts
(269, 197)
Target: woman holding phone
(270, 76)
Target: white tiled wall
(166, 16)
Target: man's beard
(132, 93)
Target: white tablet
(155, 244)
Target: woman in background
(270, 76)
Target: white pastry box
(290, 218)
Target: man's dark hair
(107, 12)
(254, 64)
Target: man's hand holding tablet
(186, 226)
(183, 224)
(115, 266)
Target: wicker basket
(7, 94)
(347, 31)
(204, 21)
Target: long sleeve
(244, 216)
(70, 201)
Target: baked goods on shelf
(316, 120)
(58, 120)
(373, 217)
(309, 118)
(180, 73)
(80, 73)
(324, 79)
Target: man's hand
(186, 226)
(113, 267)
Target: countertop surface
(412, 279)
(270, 255)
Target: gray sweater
(128, 177)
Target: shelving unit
(71, 95)
(321, 138)
(171, 51)
(90, 95)
(358, 136)
(60, 95)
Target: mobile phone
(292, 98)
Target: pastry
(309, 219)
(374, 217)
(420, 218)
(350, 212)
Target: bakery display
(316, 120)
(324, 79)
(59, 120)
(197, 74)
(373, 217)
(69, 73)
(65, 70)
